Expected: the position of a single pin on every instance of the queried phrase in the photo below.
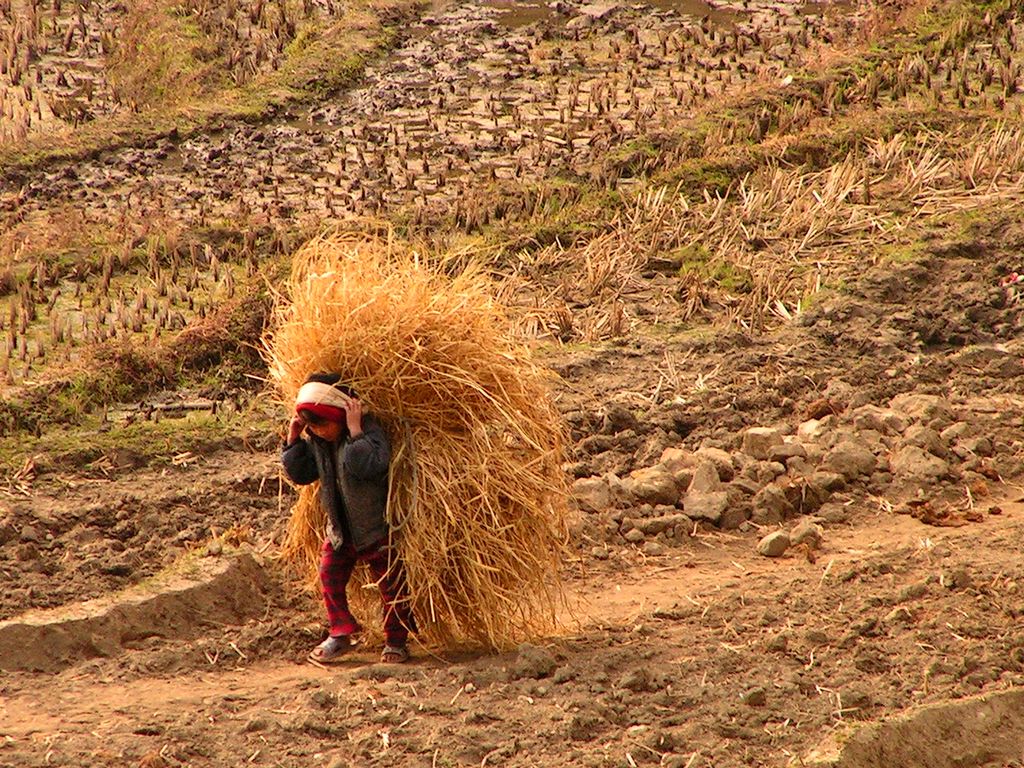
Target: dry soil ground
(881, 192)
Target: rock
(580, 22)
(706, 497)
(930, 409)
(563, 674)
(599, 553)
(912, 592)
(653, 485)
(770, 506)
(857, 702)
(812, 429)
(879, 482)
(850, 458)
(797, 465)
(914, 463)
(30, 534)
(759, 442)
(595, 444)
(882, 420)
(655, 739)
(763, 472)
(680, 463)
(927, 438)
(655, 525)
(839, 391)
(980, 446)
(807, 532)
(816, 637)
(706, 479)
(618, 490)
(654, 445)
(834, 514)
(532, 662)
(323, 699)
(721, 459)
(592, 494)
(636, 680)
(897, 616)
(755, 697)
(826, 482)
(815, 453)
(867, 627)
(957, 578)
(634, 536)
(956, 431)
(746, 485)
(618, 418)
(673, 459)
(255, 725)
(804, 496)
(653, 549)
(599, 11)
(786, 451)
(774, 544)
(26, 552)
(584, 724)
(83, 535)
(734, 516)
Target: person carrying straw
(476, 511)
(347, 451)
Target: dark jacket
(355, 497)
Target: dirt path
(713, 652)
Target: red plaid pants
(336, 566)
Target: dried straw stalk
(477, 490)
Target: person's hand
(295, 428)
(354, 418)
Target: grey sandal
(394, 654)
(332, 649)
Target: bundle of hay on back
(476, 505)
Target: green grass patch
(902, 252)
(632, 158)
(726, 275)
(139, 444)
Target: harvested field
(770, 251)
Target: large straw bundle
(477, 491)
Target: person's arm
(296, 456)
(368, 453)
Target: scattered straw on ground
(477, 496)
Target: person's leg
(398, 618)
(336, 566)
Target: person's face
(325, 430)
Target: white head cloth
(318, 393)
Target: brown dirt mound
(977, 733)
